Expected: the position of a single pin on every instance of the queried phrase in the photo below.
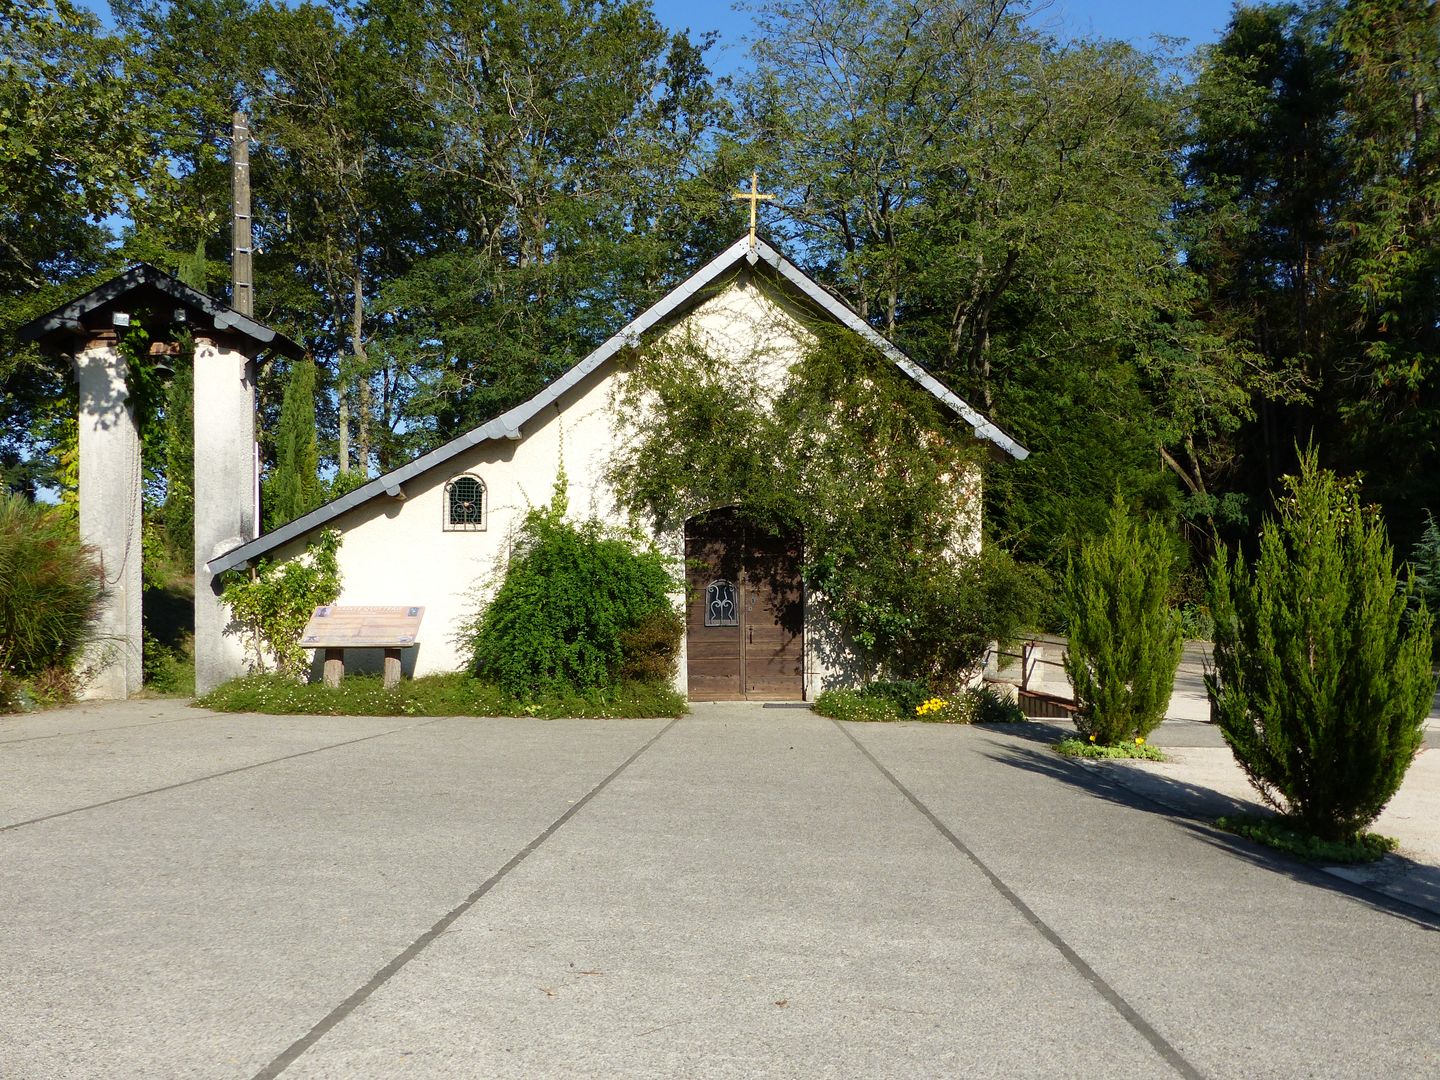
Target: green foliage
(273, 606)
(859, 460)
(437, 695)
(993, 707)
(50, 590)
(571, 596)
(905, 695)
(1137, 749)
(888, 702)
(1124, 637)
(1321, 683)
(178, 450)
(651, 648)
(854, 705)
(1275, 833)
(293, 487)
(168, 671)
(996, 199)
(1425, 573)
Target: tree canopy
(1161, 271)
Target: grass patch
(1278, 833)
(889, 702)
(434, 695)
(855, 705)
(1139, 750)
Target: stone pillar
(109, 446)
(226, 501)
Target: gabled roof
(508, 425)
(144, 285)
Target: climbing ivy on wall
(273, 605)
(849, 451)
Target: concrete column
(226, 508)
(110, 515)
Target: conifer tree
(1321, 682)
(294, 486)
(1124, 635)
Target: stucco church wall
(397, 551)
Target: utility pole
(242, 266)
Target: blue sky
(1136, 21)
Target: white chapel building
(425, 533)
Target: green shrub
(929, 623)
(1275, 833)
(1125, 642)
(571, 597)
(992, 707)
(651, 648)
(1137, 748)
(906, 695)
(50, 590)
(434, 695)
(168, 671)
(274, 606)
(1425, 572)
(1322, 681)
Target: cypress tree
(1322, 679)
(1125, 637)
(294, 486)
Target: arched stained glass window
(465, 504)
(720, 606)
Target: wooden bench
(335, 628)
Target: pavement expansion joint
(1128, 1013)
(212, 776)
(99, 731)
(338, 1014)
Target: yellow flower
(1092, 738)
(1139, 741)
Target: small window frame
(477, 517)
(715, 593)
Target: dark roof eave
(68, 318)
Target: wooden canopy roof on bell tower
(165, 304)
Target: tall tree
(1389, 251)
(70, 153)
(572, 177)
(996, 201)
(293, 487)
(1264, 177)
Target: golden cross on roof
(754, 198)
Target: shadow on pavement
(1194, 807)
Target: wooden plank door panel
(763, 656)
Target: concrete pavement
(746, 891)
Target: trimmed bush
(1125, 637)
(50, 590)
(1322, 678)
(578, 608)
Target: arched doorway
(745, 611)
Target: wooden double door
(745, 612)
